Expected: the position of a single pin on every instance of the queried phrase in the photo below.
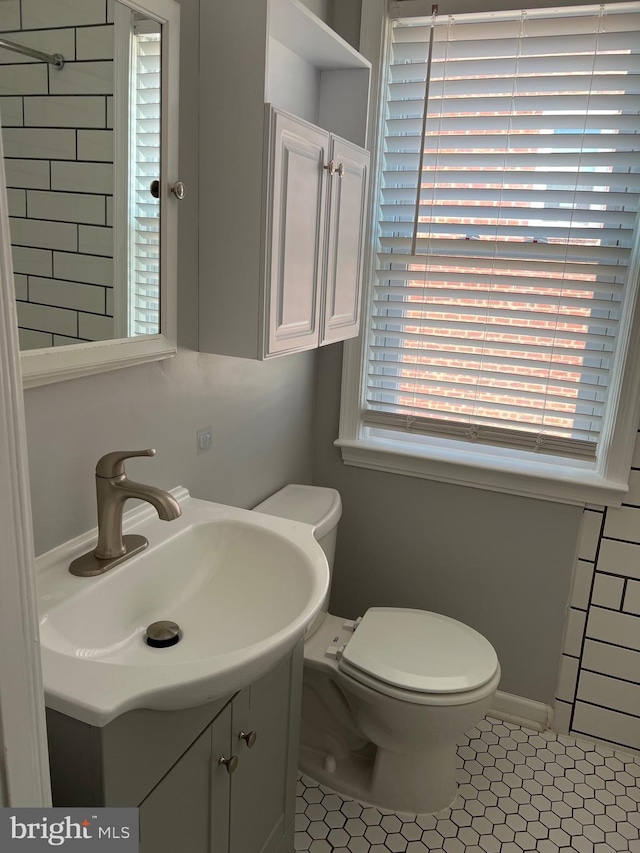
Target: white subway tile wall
(58, 145)
(598, 693)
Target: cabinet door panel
(295, 212)
(175, 815)
(259, 787)
(345, 241)
(221, 747)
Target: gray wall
(500, 563)
(261, 413)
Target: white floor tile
(571, 794)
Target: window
(506, 244)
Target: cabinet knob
(249, 738)
(341, 170)
(331, 167)
(178, 190)
(230, 763)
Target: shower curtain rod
(56, 59)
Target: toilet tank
(313, 505)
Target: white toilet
(386, 696)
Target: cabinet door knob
(331, 167)
(249, 738)
(178, 190)
(341, 170)
(230, 763)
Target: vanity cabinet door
(345, 241)
(174, 817)
(263, 788)
(296, 212)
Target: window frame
(525, 474)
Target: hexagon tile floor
(520, 790)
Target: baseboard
(523, 712)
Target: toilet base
(386, 781)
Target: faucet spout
(165, 504)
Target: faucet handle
(112, 464)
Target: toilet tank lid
(314, 505)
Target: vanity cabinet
(169, 764)
(315, 213)
(281, 232)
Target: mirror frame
(55, 364)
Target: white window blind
(507, 223)
(144, 259)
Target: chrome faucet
(113, 488)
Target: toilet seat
(415, 654)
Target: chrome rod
(56, 59)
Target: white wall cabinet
(281, 240)
(315, 214)
(168, 764)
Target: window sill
(482, 470)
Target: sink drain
(161, 635)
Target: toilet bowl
(387, 696)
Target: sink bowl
(242, 586)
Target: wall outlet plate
(204, 439)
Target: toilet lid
(420, 651)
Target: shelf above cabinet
(294, 25)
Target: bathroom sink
(242, 586)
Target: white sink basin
(242, 586)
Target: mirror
(85, 96)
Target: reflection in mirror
(82, 149)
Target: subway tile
(32, 261)
(10, 18)
(609, 692)
(567, 678)
(95, 241)
(606, 725)
(31, 339)
(83, 268)
(619, 558)
(66, 207)
(20, 283)
(95, 145)
(110, 113)
(40, 144)
(11, 112)
(95, 42)
(30, 174)
(574, 632)
(633, 495)
(49, 40)
(110, 306)
(42, 234)
(82, 177)
(66, 294)
(83, 78)
(17, 202)
(23, 79)
(623, 523)
(607, 591)
(62, 13)
(63, 111)
(631, 602)
(611, 660)
(581, 584)
(109, 210)
(561, 716)
(46, 319)
(611, 627)
(64, 341)
(589, 535)
(95, 328)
